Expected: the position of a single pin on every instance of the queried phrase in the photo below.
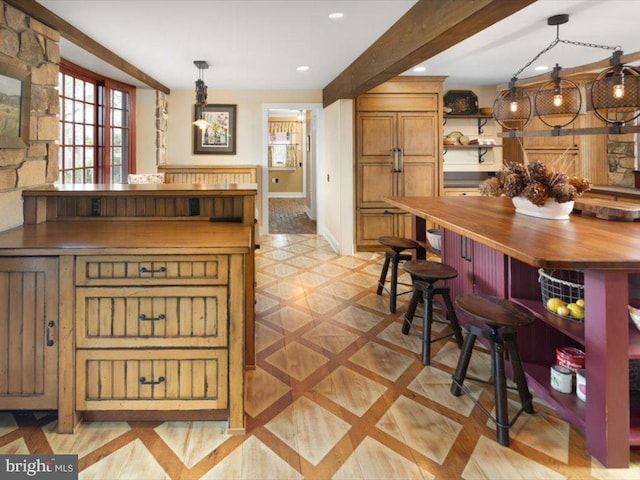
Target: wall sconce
(201, 94)
(615, 93)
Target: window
(97, 127)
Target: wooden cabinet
(398, 153)
(29, 326)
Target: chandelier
(201, 94)
(614, 96)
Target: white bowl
(434, 237)
(634, 313)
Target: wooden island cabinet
(508, 249)
(143, 305)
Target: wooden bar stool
(501, 319)
(394, 257)
(425, 274)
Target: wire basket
(563, 292)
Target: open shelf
(571, 328)
(634, 341)
(567, 404)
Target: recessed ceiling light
(336, 15)
(420, 69)
(541, 68)
(302, 68)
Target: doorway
(290, 165)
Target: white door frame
(316, 117)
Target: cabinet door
(373, 224)
(28, 322)
(376, 140)
(418, 140)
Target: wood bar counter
(501, 252)
(129, 301)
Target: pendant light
(558, 102)
(201, 95)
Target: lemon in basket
(563, 311)
(576, 311)
(553, 304)
(580, 302)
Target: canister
(581, 384)
(561, 378)
(570, 357)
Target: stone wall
(621, 157)
(26, 43)
(161, 128)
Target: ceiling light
(302, 68)
(336, 15)
(541, 68)
(300, 116)
(420, 69)
(561, 96)
(201, 94)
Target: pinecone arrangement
(534, 182)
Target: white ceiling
(257, 44)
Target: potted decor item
(535, 190)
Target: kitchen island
(129, 301)
(517, 246)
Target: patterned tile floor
(338, 393)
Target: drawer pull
(146, 270)
(50, 325)
(143, 317)
(143, 381)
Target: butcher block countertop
(580, 242)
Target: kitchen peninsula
(129, 300)
(503, 252)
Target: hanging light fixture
(300, 116)
(615, 93)
(201, 95)
(560, 97)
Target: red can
(570, 357)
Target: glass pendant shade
(558, 103)
(615, 95)
(512, 108)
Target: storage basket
(566, 285)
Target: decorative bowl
(551, 209)
(434, 237)
(486, 111)
(634, 313)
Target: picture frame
(15, 106)
(220, 137)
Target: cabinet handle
(50, 325)
(143, 317)
(464, 246)
(143, 381)
(396, 160)
(401, 161)
(146, 270)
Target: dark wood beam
(71, 33)
(428, 28)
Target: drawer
(152, 269)
(151, 380)
(130, 317)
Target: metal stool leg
(500, 379)
(427, 320)
(394, 282)
(519, 377)
(452, 317)
(463, 364)
(407, 320)
(383, 273)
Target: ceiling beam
(71, 33)
(428, 28)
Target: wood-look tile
(131, 462)
(393, 334)
(296, 360)
(361, 279)
(284, 290)
(312, 280)
(253, 460)
(434, 384)
(380, 303)
(302, 262)
(262, 390)
(425, 430)
(279, 255)
(7, 423)
(88, 437)
(290, 319)
(308, 429)
(341, 290)
(330, 270)
(191, 441)
(330, 337)
(504, 464)
(381, 360)
(17, 447)
(358, 318)
(349, 262)
(350, 390)
(264, 303)
(372, 460)
(265, 337)
(282, 269)
(318, 303)
(631, 473)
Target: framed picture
(219, 138)
(15, 99)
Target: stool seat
(393, 258)
(495, 311)
(427, 270)
(398, 244)
(499, 321)
(425, 274)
